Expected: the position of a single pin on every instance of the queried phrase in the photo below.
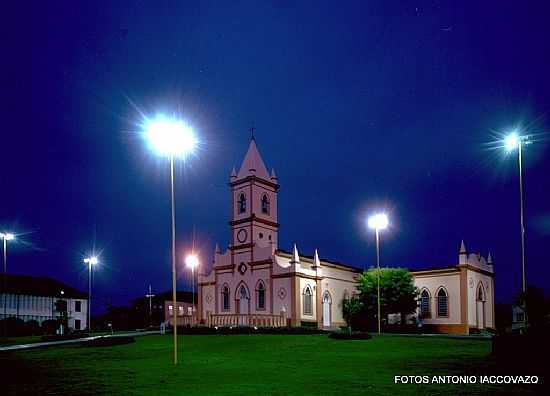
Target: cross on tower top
(252, 134)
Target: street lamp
(172, 138)
(192, 261)
(91, 261)
(378, 222)
(6, 236)
(512, 142)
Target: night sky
(358, 106)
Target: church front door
(243, 306)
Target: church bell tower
(254, 224)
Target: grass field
(251, 364)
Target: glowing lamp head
(170, 136)
(91, 260)
(511, 141)
(192, 261)
(378, 221)
(7, 236)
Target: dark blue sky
(357, 106)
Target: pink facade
(255, 282)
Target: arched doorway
(243, 305)
(480, 307)
(327, 301)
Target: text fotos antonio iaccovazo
(466, 379)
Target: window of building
(77, 324)
(265, 204)
(242, 203)
(308, 301)
(260, 293)
(180, 310)
(225, 298)
(480, 293)
(170, 310)
(78, 306)
(442, 303)
(425, 303)
(520, 317)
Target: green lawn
(250, 364)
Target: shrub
(56, 337)
(50, 326)
(13, 327)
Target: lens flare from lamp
(378, 221)
(192, 261)
(170, 136)
(91, 260)
(511, 141)
(8, 236)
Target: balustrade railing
(247, 320)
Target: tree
(350, 308)
(536, 307)
(397, 291)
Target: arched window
(265, 204)
(442, 303)
(225, 298)
(425, 303)
(242, 203)
(242, 292)
(308, 301)
(480, 293)
(260, 296)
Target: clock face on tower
(241, 235)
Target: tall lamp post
(6, 236)
(512, 142)
(192, 261)
(171, 137)
(150, 296)
(90, 261)
(378, 222)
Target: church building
(254, 283)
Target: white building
(458, 298)
(39, 299)
(253, 282)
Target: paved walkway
(74, 341)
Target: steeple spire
(489, 259)
(295, 255)
(274, 177)
(253, 165)
(462, 254)
(316, 261)
(295, 261)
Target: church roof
(253, 165)
(286, 253)
(38, 286)
(435, 268)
